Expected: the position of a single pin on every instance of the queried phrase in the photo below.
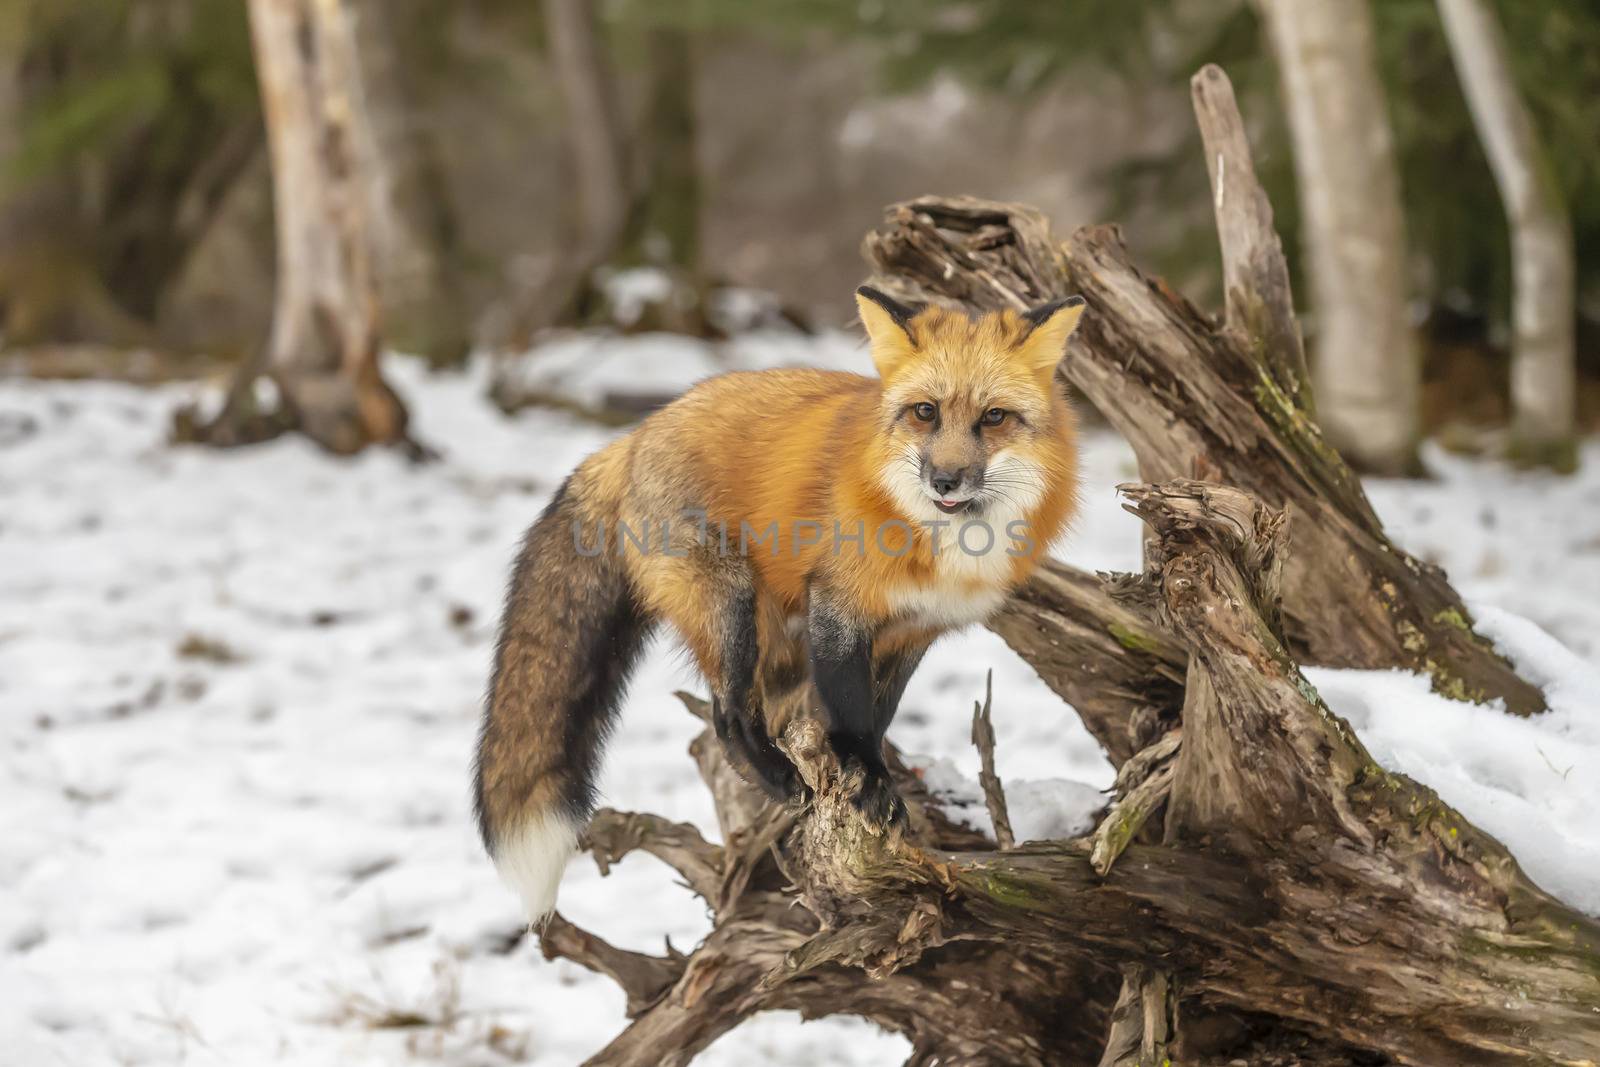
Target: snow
(630, 291)
(584, 370)
(1532, 783)
(1041, 810)
(1528, 543)
(238, 694)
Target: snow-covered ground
(238, 694)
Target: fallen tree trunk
(1225, 401)
(1306, 906)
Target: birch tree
(323, 350)
(1542, 374)
(1366, 370)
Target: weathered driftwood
(1142, 1022)
(768, 951)
(1224, 401)
(1305, 903)
(1142, 787)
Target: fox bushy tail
(570, 636)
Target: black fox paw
(877, 800)
(757, 759)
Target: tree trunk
(1123, 676)
(1543, 379)
(594, 124)
(414, 226)
(1199, 399)
(667, 227)
(1367, 370)
(663, 229)
(636, 208)
(324, 346)
(602, 178)
(1306, 906)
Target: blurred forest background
(518, 153)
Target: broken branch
(994, 794)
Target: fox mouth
(954, 507)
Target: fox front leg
(890, 673)
(841, 668)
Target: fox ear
(888, 325)
(1049, 327)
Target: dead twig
(994, 794)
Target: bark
(324, 346)
(1306, 907)
(1367, 370)
(1543, 379)
(1195, 398)
(1141, 1022)
(1255, 275)
(770, 952)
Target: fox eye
(994, 416)
(924, 411)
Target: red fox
(807, 533)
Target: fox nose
(946, 481)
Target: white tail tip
(531, 859)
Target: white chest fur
(971, 576)
(946, 604)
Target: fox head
(972, 420)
